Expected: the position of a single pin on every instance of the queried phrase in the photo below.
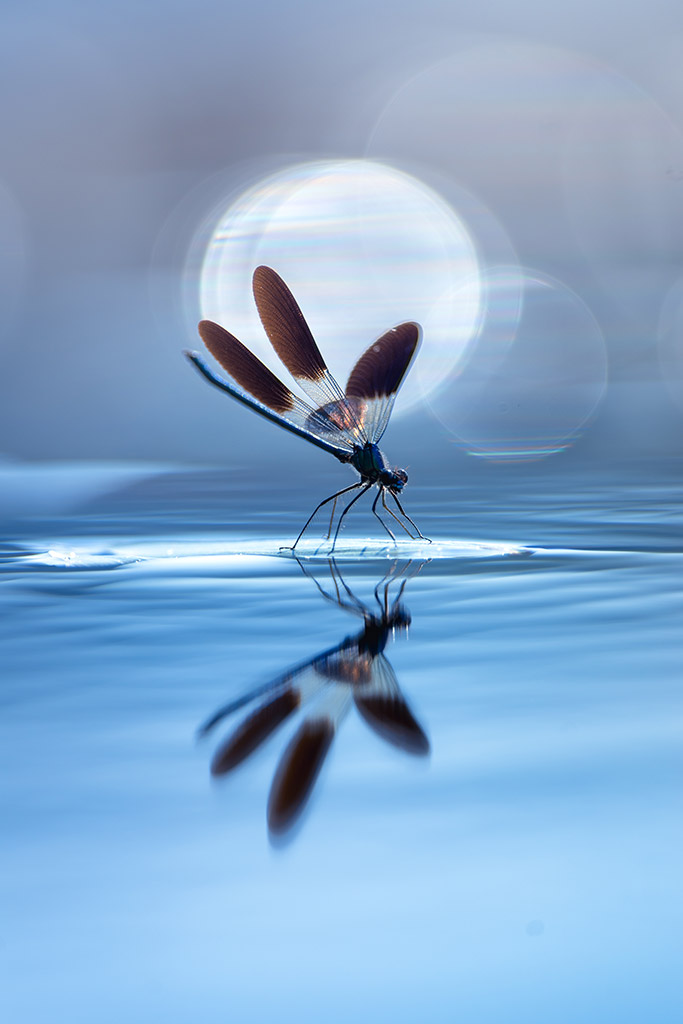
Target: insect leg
(365, 487)
(391, 513)
(332, 497)
(406, 516)
(377, 515)
(356, 605)
(329, 528)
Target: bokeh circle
(534, 375)
(581, 165)
(363, 246)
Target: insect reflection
(323, 689)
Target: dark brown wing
(256, 386)
(254, 731)
(290, 336)
(286, 327)
(379, 373)
(380, 370)
(297, 772)
(385, 710)
(243, 366)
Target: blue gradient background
(530, 871)
(123, 127)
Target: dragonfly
(348, 424)
(322, 690)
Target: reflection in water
(324, 688)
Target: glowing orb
(363, 246)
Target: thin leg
(405, 514)
(397, 599)
(353, 501)
(332, 497)
(360, 607)
(329, 528)
(394, 516)
(387, 579)
(330, 564)
(377, 515)
(356, 608)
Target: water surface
(525, 865)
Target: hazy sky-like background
(125, 126)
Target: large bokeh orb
(580, 164)
(363, 246)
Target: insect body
(348, 424)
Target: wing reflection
(324, 689)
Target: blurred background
(511, 176)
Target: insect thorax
(369, 461)
(372, 466)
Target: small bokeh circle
(534, 375)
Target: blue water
(526, 868)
